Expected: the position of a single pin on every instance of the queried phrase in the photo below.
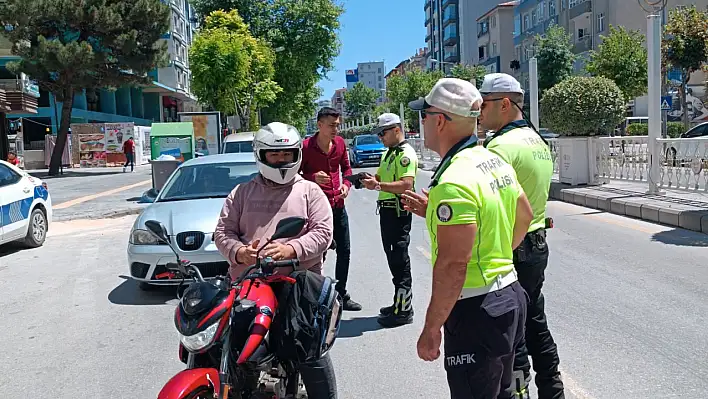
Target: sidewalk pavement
(687, 210)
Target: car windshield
(212, 180)
(364, 140)
(238, 146)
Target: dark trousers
(395, 236)
(531, 260)
(341, 238)
(319, 379)
(481, 335)
(129, 160)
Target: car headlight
(200, 340)
(143, 237)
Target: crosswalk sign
(666, 103)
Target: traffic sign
(666, 102)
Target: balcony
(583, 45)
(20, 95)
(427, 5)
(580, 9)
(445, 3)
(451, 55)
(450, 39)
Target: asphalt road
(96, 192)
(627, 303)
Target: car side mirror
(289, 227)
(158, 230)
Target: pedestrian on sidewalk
(324, 156)
(395, 175)
(129, 151)
(476, 213)
(519, 144)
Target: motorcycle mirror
(289, 227)
(158, 230)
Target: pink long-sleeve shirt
(252, 211)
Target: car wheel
(37, 230)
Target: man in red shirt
(324, 155)
(129, 151)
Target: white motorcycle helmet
(278, 136)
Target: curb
(103, 215)
(635, 205)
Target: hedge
(583, 106)
(673, 129)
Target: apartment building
(371, 74)
(418, 61)
(168, 94)
(585, 21)
(495, 38)
(337, 101)
(312, 122)
(442, 38)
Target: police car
(25, 207)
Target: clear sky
(376, 30)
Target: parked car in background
(689, 151)
(366, 149)
(26, 207)
(238, 142)
(189, 206)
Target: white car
(188, 205)
(26, 210)
(238, 142)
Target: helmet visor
(280, 158)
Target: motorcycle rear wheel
(201, 393)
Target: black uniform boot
(400, 313)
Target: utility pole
(654, 100)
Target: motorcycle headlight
(143, 237)
(200, 340)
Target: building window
(551, 8)
(573, 3)
(517, 25)
(581, 33)
(542, 11)
(494, 21)
(482, 52)
(534, 17)
(526, 22)
(494, 50)
(600, 22)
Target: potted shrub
(578, 109)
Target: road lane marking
(568, 382)
(81, 200)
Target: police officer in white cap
(476, 213)
(395, 175)
(518, 142)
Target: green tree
(583, 106)
(622, 58)
(68, 46)
(305, 35)
(411, 86)
(360, 100)
(469, 72)
(231, 70)
(684, 46)
(554, 51)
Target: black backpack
(307, 320)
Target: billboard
(352, 75)
(206, 130)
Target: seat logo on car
(189, 240)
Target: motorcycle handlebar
(267, 266)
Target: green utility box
(173, 138)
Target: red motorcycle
(223, 326)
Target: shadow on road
(682, 238)
(357, 326)
(10, 248)
(128, 293)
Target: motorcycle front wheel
(201, 393)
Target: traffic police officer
(395, 175)
(476, 213)
(520, 145)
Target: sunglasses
(383, 132)
(425, 114)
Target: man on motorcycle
(252, 211)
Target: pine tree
(71, 45)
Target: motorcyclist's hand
(247, 254)
(415, 203)
(322, 178)
(278, 251)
